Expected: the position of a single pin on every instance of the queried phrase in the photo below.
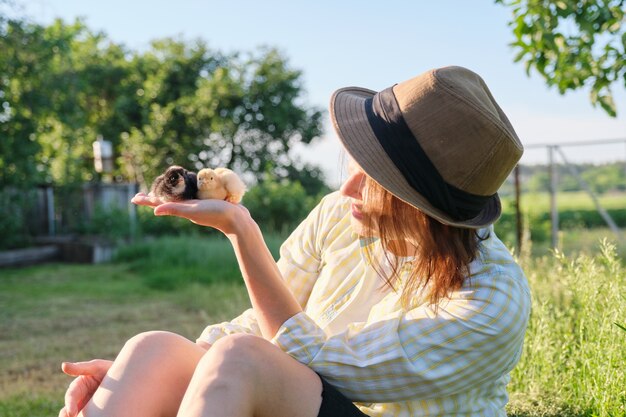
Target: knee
(233, 356)
(151, 342)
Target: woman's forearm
(272, 301)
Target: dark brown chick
(175, 184)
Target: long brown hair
(442, 253)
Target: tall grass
(173, 262)
(574, 360)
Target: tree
(21, 97)
(60, 86)
(573, 44)
(206, 109)
(177, 103)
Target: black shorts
(335, 404)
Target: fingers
(63, 413)
(172, 209)
(88, 375)
(72, 398)
(79, 392)
(96, 367)
(142, 199)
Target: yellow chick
(221, 184)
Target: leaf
(620, 326)
(561, 5)
(607, 103)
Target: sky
(372, 44)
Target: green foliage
(606, 178)
(15, 205)
(112, 223)
(573, 44)
(170, 263)
(573, 353)
(176, 103)
(151, 225)
(576, 211)
(279, 206)
(601, 178)
(59, 87)
(174, 262)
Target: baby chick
(175, 184)
(221, 184)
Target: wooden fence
(50, 211)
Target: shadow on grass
(545, 409)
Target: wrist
(241, 225)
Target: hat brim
(347, 112)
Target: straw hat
(438, 141)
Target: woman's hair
(442, 253)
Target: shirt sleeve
(300, 256)
(299, 265)
(423, 353)
(244, 323)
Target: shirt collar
(367, 247)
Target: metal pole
(518, 212)
(554, 211)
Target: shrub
(170, 263)
(151, 225)
(16, 206)
(112, 223)
(279, 207)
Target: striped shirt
(451, 359)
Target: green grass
(575, 242)
(574, 361)
(573, 364)
(53, 313)
(575, 200)
(581, 226)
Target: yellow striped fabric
(450, 360)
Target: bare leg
(243, 375)
(148, 378)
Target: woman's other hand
(88, 375)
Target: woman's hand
(88, 375)
(218, 214)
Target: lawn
(573, 364)
(55, 312)
(572, 200)
(581, 226)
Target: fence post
(518, 211)
(554, 211)
(50, 210)
(131, 190)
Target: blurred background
(97, 98)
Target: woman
(394, 293)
